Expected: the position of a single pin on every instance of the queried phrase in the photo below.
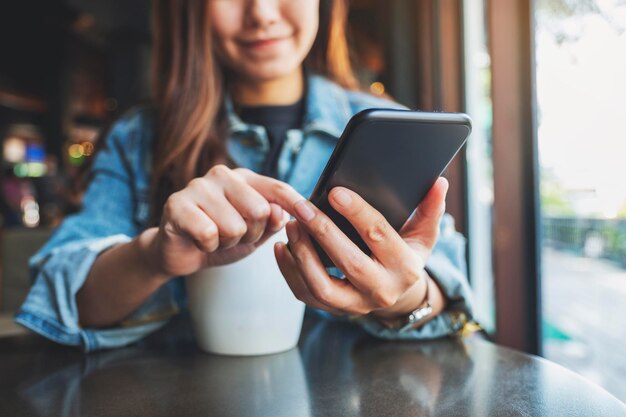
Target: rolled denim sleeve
(60, 268)
(448, 268)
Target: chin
(270, 71)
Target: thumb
(422, 228)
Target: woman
(265, 86)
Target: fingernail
(304, 210)
(341, 197)
(293, 232)
(446, 183)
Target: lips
(262, 42)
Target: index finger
(273, 190)
(384, 242)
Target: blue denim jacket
(116, 208)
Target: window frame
(517, 255)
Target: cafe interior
(535, 192)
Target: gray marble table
(337, 370)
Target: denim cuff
(50, 308)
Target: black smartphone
(391, 158)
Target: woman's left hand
(389, 283)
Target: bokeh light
(377, 88)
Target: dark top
(276, 120)
(337, 370)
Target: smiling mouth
(263, 43)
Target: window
(581, 89)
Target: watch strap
(419, 313)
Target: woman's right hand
(217, 219)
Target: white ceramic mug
(245, 308)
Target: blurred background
(538, 191)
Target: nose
(262, 13)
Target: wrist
(146, 248)
(416, 298)
(413, 298)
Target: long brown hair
(188, 86)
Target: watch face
(417, 316)
(423, 312)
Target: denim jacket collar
(327, 108)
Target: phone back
(391, 158)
